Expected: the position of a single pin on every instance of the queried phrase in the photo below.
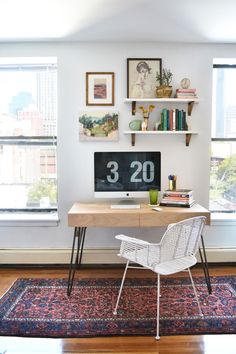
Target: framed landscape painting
(98, 126)
(100, 88)
(141, 77)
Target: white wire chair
(175, 253)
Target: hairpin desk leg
(205, 266)
(76, 255)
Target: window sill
(29, 219)
(223, 219)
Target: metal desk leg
(205, 266)
(76, 255)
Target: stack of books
(179, 198)
(186, 93)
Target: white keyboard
(125, 206)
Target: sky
(11, 85)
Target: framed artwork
(98, 126)
(141, 77)
(100, 89)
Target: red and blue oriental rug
(41, 308)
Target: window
(223, 146)
(28, 134)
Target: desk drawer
(104, 220)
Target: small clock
(185, 83)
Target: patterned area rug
(41, 308)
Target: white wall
(75, 159)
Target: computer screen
(126, 174)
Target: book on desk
(178, 198)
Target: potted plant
(164, 79)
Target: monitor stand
(125, 204)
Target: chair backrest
(182, 239)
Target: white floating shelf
(187, 133)
(164, 100)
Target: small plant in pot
(164, 79)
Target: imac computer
(126, 176)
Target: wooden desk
(81, 216)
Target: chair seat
(175, 265)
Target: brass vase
(145, 122)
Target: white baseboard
(57, 256)
(90, 256)
(220, 255)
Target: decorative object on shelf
(185, 91)
(164, 79)
(141, 81)
(135, 124)
(185, 83)
(172, 182)
(100, 88)
(144, 126)
(146, 114)
(98, 126)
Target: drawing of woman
(141, 88)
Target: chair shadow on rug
(175, 253)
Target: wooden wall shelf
(188, 134)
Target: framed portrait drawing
(100, 88)
(141, 77)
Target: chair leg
(195, 292)
(158, 305)
(121, 287)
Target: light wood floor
(209, 344)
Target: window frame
(229, 215)
(31, 64)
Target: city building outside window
(223, 146)
(28, 134)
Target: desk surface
(101, 215)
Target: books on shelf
(186, 93)
(173, 119)
(179, 197)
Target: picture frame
(100, 88)
(141, 77)
(98, 126)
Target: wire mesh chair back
(181, 239)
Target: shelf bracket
(190, 107)
(133, 139)
(133, 108)
(188, 138)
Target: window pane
(28, 177)
(28, 104)
(224, 103)
(223, 176)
